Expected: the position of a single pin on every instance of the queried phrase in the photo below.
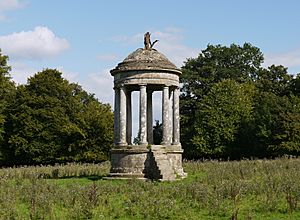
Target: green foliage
(220, 116)
(157, 132)
(258, 189)
(275, 80)
(52, 120)
(233, 107)
(7, 91)
(217, 63)
(295, 85)
(137, 139)
(288, 135)
(200, 76)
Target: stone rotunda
(146, 70)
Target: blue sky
(85, 39)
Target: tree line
(231, 107)
(50, 120)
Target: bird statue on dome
(147, 42)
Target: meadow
(248, 189)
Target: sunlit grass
(260, 189)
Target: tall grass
(57, 171)
(259, 189)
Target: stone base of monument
(155, 162)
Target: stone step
(164, 166)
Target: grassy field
(258, 189)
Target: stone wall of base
(135, 161)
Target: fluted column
(123, 116)
(143, 115)
(165, 115)
(129, 118)
(117, 116)
(176, 117)
(149, 117)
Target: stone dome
(143, 59)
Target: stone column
(165, 115)
(143, 115)
(176, 117)
(117, 116)
(149, 117)
(123, 116)
(170, 130)
(129, 118)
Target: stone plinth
(159, 162)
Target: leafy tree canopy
(7, 90)
(231, 106)
(52, 120)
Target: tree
(97, 124)
(7, 90)
(277, 124)
(215, 64)
(219, 118)
(137, 139)
(290, 133)
(274, 79)
(295, 85)
(52, 120)
(157, 132)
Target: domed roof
(143, 59)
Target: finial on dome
(147, 42)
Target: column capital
(122, 86)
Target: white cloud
(2, 17)
(72, 77)
(101, 84)
(37, 44)
(8, 5)
(170, 43)
(107, 57)
(289, 59)
(125, 39)
(21, 71)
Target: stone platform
(155, 162)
